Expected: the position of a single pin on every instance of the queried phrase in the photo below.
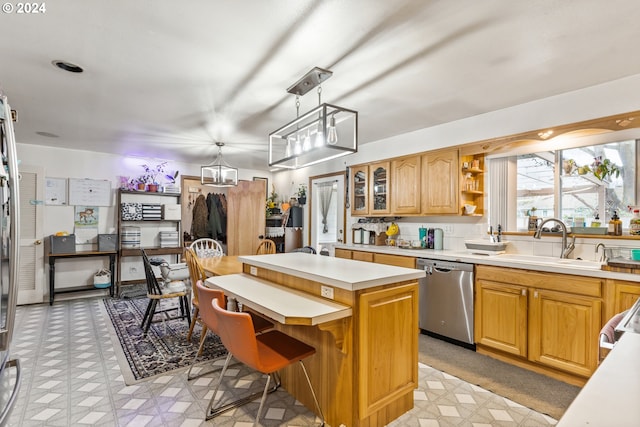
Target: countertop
(610, 397)
(341, 273)
(496, 260)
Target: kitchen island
(366, 364)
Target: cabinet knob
(37, 242)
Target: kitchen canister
(130, 237)
(438, 235)
(357, 236)
(366, 237)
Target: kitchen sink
(547, 260)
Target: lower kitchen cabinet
(396, 260)
(625, 295)
(539, 320)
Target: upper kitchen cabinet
(359, 190)
(440, 175)
(472, 184)
(379, 188)
(405, 188)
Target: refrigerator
(9, 260)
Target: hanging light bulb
(297, 147)
(319, 134)
(306, 145)
(287, 151)
(332, 133)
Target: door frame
(342, 174)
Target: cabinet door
(563, 331)
(359, 190)
(501, 317)
(626, 294)
(440, 182)
(397, 260)
(387, 346)
(379, 188)
(405, 185)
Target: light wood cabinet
(625, 295)
(542, 319)
(563, 331)
(360, 190)
(501, 316)
(343, 253)
(405, 185)
(472, 183)
(379, 188)
(362, 256)
(245, 217)
(440, 174)
(396, 260)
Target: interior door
(246, 217)
(31, 277)
(329, 231)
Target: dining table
(221, 266)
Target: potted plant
(604, 168)
(568, 166)
(302, 194)
(150, 176)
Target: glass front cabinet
(379, 188)
(359, 190)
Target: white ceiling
(164, 79)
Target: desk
(221, 266)
(82, 254)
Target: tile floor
(71, 378)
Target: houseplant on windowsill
(604, 168)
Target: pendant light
(219, 173)
(324, 133)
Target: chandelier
(324, 133)
(219, 173)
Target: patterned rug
(164, 348)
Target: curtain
(325, 191)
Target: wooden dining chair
(209, 321)
(157, 293)
(266, 246)
(196, 273)
(267, 353)
(207, 248)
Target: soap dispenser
(615, 225)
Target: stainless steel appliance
(446, 301)
(9, 249)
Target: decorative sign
(92, 192)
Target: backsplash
(455, 233)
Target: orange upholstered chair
(267, 353)
(210, 321)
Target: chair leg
(195, 359)
(202, 335)
(184, 308)
(264, 397)
(146, 314)
(313, 393)
(154, 303)
(210, 411)
(193, 323)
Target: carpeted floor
(530, 389)
(163, 349)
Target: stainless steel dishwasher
(446, 301)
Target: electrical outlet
(326, 291)
(253, 271)
(448, 228)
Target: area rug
(165, 347)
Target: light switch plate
(253, 271)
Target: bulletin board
(90, 192)
(55, 191)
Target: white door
(31, 278)
(327, 211)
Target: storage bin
(172, 212)
(62, 244)
(130, 237)
(107, 242)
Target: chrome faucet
(566, 249)
(603, 257)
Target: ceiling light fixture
(219, 173)
(324, 133)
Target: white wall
(64, 163)
(606, 99)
